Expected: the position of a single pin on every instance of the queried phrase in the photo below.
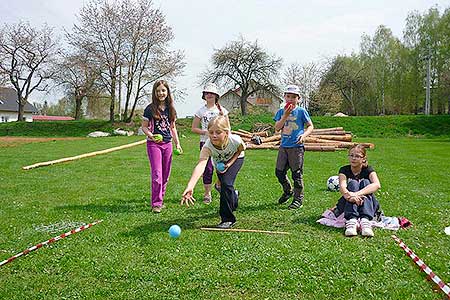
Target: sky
(298, 31)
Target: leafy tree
(346, 76)
(379, 55)
(245, 65)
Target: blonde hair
(360, 149)
(220, 122)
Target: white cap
(292, 89)
(210, 88)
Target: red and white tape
(56, 238)
(444, 287)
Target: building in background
(9, 106)
(260, 99)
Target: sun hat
(292, 89)
(210, 88)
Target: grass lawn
(131, 256)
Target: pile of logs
(326, 139)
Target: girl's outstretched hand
(187, 197)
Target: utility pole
(427, 95)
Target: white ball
(447, 230)
(333, 183)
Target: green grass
(364, 126)
(54, 129)
(131, 256)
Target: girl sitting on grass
(357, 183)
(222, 147)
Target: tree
(79, 75)
(145, 54)
(379, 54)
(100, 29)
(346, 76)
(129, 41)
(244, 65)
(306, 77)
(26, 54)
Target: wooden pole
(344, 138)
(57, 161)
(244, 230)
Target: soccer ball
(333, 183)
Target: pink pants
(160, 157)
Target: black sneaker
(285, 197)
(295, 204)
(225, 225)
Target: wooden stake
(244, 230)
(57, 161)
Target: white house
(264, 99)
(9, 106)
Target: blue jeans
(351, 210)
(228, 196)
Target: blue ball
(174, 231)
(220, 166)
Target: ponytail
(219, 107)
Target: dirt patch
(12, 141)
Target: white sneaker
(366, 228)
(350, 227)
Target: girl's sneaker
(207, 199)
(366, 228)
(351, 227)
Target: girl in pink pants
(158, 124)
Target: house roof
(9, 101)
(52, 118)
(237, 90)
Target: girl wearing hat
(206, 113)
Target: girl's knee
(353, 185)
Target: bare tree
(26, 54)
(78, 74)
(129, 40)
(245, 65)
(100, 29)
(307, 77)
(146, 56)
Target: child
(206, 113)
(158, 124)
(292, 120)
(223, 147)
(357, 183)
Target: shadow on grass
(123, 208)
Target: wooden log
(261, 133)
(245, 139)
(272, 138)
(344, 138)
(338, 144)
(331, 133)
(262, 146)
(245, 131)
(57, 161)
(241, 134)
(328, 129)
(320, 148)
